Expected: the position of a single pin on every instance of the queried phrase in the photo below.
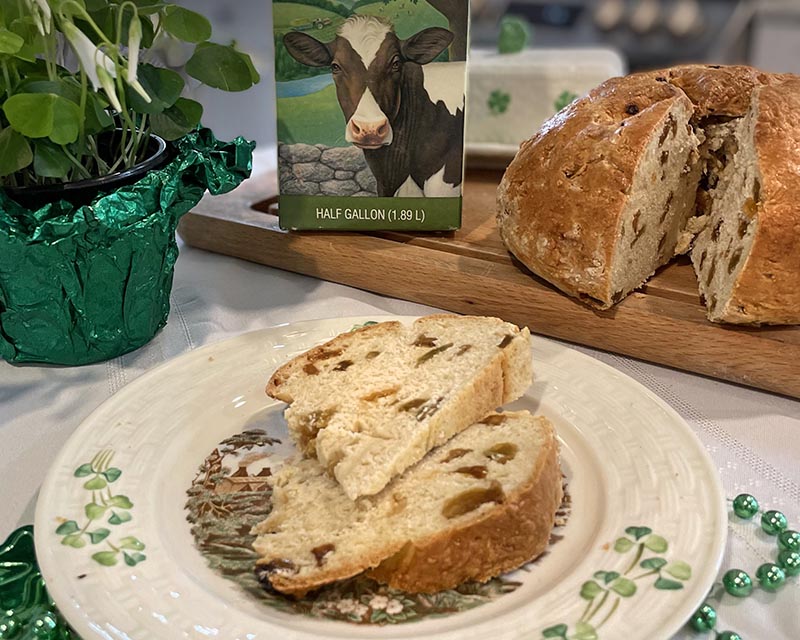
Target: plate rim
(86, 425)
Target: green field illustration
(307, 107)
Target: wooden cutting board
(469, 271)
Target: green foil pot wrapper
(85, 284)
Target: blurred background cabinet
(646, 33)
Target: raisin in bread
(372, 402)
(695, 158)
(482, 504)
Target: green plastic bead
(789, 540)
(789, 561)
(745, 506)
(9, 628)
(737, 583)
(729, 635)
(773, 522)
(770, 576)
(704, 618)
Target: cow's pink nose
(370, 133)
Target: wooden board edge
(676, 339)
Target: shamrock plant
(81, 90)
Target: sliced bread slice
(372, 402)
(478, 506)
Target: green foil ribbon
(26, 609)
(85, 284)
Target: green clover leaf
(65, 528)
(606, 576)
(95, 484)
(106, 558)
(130, 542)
(652, 563)
(624, 587)
(15, 152)
(76, 541)
(679, 569)
(584, 631)
(623, 545)
(590, 589)
(98, 535)
(84, 470)
(668, 585)
(556, 631)
(94, 511)
(566, 98)
(638, 532)
(112, 474)
(120, 501)
(655, 543)
(186, 25)
(498, 102)
(132, 559)
(118, 517)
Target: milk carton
(370, 113)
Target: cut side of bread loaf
(747, 256)
(372, 402)
(698, 158)
(482, 504)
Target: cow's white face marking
(436, 187)
(368, 112)
(366, 35)
(444, 81)
(409, 189)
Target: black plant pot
(83, 192)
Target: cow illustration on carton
(405, 111)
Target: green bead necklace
(771, 576)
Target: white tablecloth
(754, 437)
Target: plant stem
(586, 610)
(81, 11)
(599, 606)
(644, 575)
(84, 98)
(609, 614)
(636, 559)
(6, 78)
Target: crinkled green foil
(85, 284)
(27, 612)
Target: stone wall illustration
(319, 170)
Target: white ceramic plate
(639, 552)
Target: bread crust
(482, 545)
(579, 169)
(766, 290)
(506, 537)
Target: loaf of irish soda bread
(478, 506)
(372, 402)
(697, 158)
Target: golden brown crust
(539, 204)
(503, 539)
(579, 170)
(768, 287)
(716, 90)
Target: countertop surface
(753, 437)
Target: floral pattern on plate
(231, 493)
